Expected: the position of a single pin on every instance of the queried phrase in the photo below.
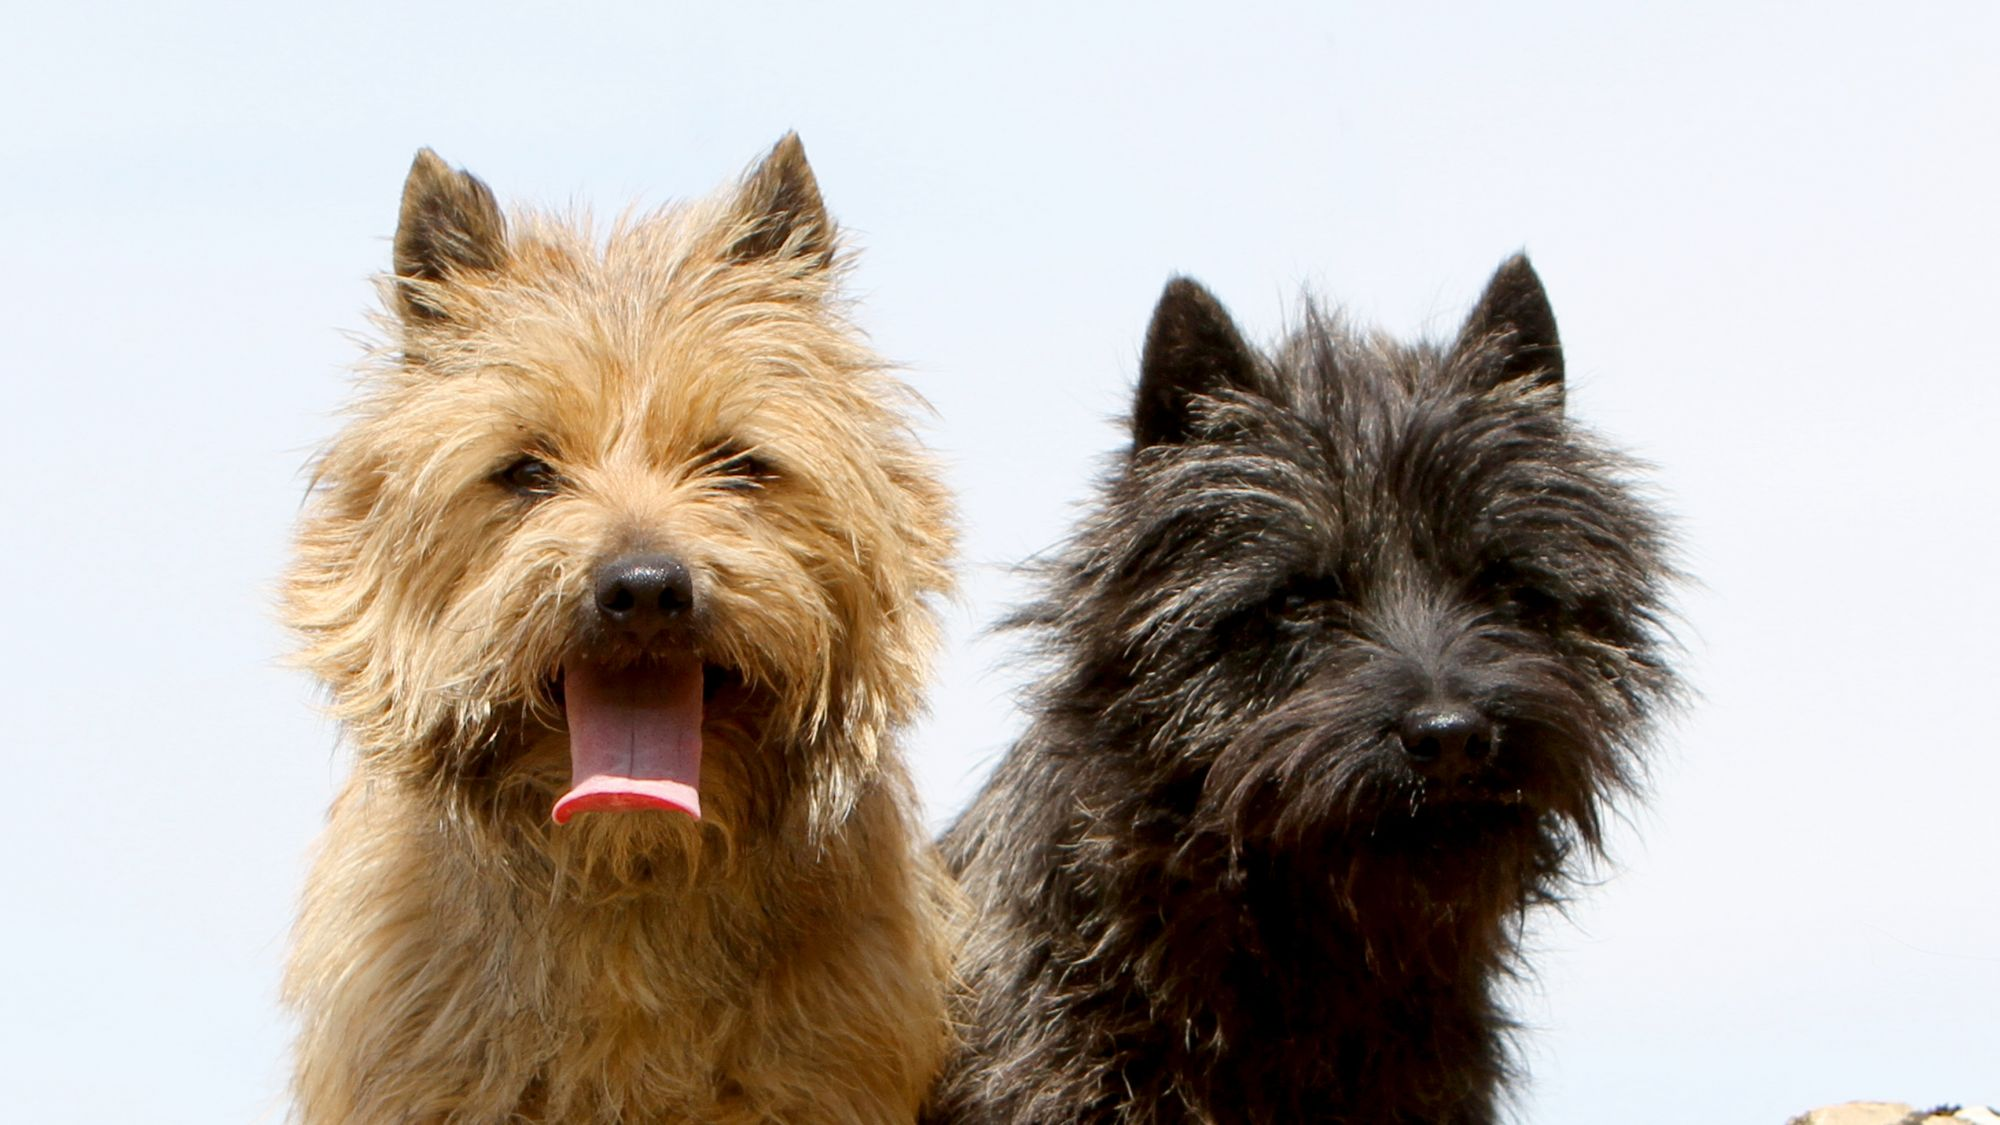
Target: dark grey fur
(1228, 875)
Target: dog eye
(1520, 589)
(529, 476)
(1303, 597)
(738, 469)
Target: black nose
(1446, 740)
(641, 594)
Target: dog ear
(780, 211)
(1192, 349)
(450, 225)
(1516, 328)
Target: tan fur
(460, 958)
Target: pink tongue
(634, 737)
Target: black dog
(1345, 667)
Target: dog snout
(1445, 741)
(643, 594)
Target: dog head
(636, 522)
(1373, 600)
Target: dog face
(1378, 600)
(638, 525)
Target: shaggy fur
(1348, 660)
(551, 399)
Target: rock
(1896, 1113)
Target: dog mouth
(635, 733)
(1491, 787)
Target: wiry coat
(1216, 880)
(547, 402)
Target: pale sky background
(1769, 231)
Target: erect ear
(449, 226)
(780, 212)
(1516, 327)
(1192, 349)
